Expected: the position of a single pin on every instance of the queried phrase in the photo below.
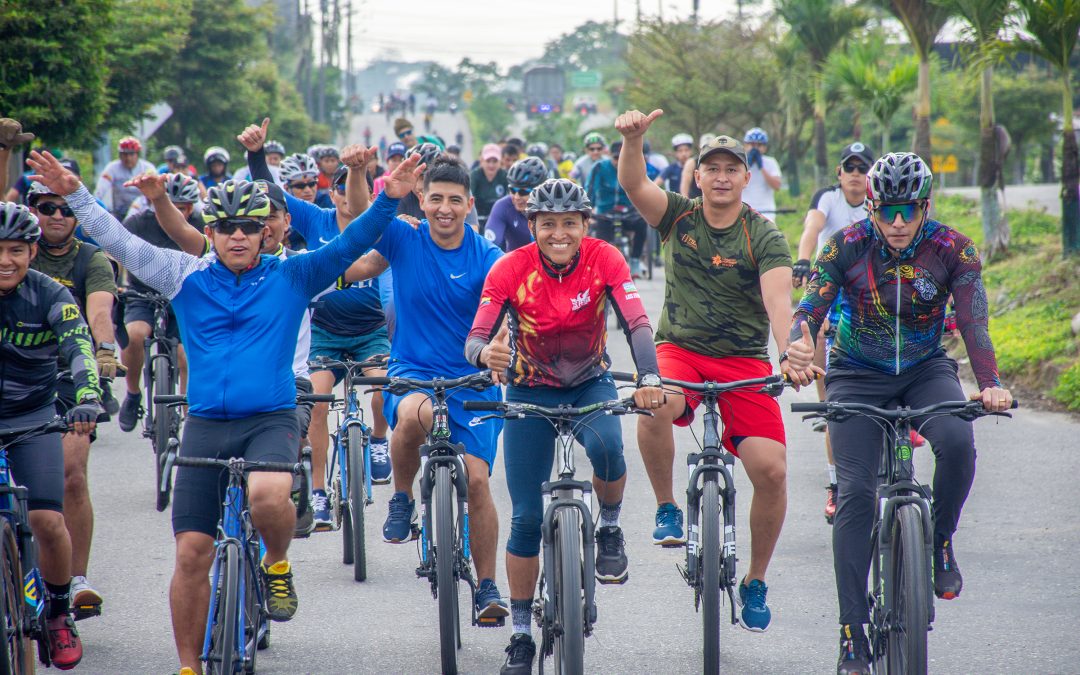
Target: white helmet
(681, 139)
(215, 154)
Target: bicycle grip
(169, 399)
(374, 381)
(483, 405)
(810, 407)
(315, 398)
(622, 377)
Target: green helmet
(595, 137)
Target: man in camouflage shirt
(728, 279)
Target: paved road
(1019, 612)
(1042, 196)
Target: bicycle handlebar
(149, 297)
(769, 383)
(56, 424)
(378, 361)
(403, 385)
(508, 409)
(835, 409)
(238, 464)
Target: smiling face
(15, 257)
(277, 226)
(236, 250)
(722, 178)
(56, 228)
(558, 235)
(304, 188)
(445, 206)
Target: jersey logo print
(689, 241)
(325, 241)
(69, 312)
(457, 276)
(581, 300)
(475, 422)
(721, 261)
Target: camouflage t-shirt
(712, 298)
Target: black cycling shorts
(38, 462)
(141, 310)
(198, 493)
(303, 410)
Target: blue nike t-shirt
(438, 291)
(354, 309)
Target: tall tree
(1053, 26)
(795, 90)
(861, 74)
(820, 26)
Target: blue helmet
(756, 135)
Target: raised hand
(52, 174)
(634, 123)
(356, 156)
(254, 136)
(404, 179)
(152, 185)
(12, 134)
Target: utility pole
(694, 12)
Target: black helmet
(235, 199)
(558, 195)
(899, 177)
(325, 151)
(274, 147)
(429, 152)
(527, 173)
(182, 188)
(18, 224)
(537, 150)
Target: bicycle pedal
(491, 622)
(86, 611)
(678, 544)
(614, 582)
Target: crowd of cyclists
(502, 267)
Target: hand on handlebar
(497, 357)
(649, 398)
(994, 399)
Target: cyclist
(832, 209)
(760, 193)
(395, 155)
(110, 184)
(176, 162)
(39, 324)
(216, 159)
(507, 226)
(540, 151)
(242, 392)
(300, 177)
(488, 181)
(594, 152)
(510, 153)
(85, 271)
(555, 291)
(611, 200)
(728, 280)
(563, 163)
(275, 155)
(893, 273)
(328, 159)
(670, 177)
(138, 314)
(403, 129)
(411, 206)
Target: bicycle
(616, 219)
(445, 558)
(566, 609)
(161, 423)
(902, 588)
(348, 467)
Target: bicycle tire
(222, 656)
(357, 498)
(15, 657)
(253, 615)
(906, 650)
(446, 584)
(710, 575)
(163, 384)
(569, 602)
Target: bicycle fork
(721, 471)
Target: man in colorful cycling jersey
(893, 273)
(110, 184)
(507, 227)
(728, 281)
(239, 313)
(40, 323)
(554, 293)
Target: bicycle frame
(353, 418)
(13, 507)
(166, 348)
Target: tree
(489, 118)
(795, 89)
(594, 45)
(820, 26)
(1022, 103)
(1053, 26)
(53, 67)
(922, 20)
(860, 73)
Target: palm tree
(819, 26)
(858, 72)
(922, 20)
(794, 76)
(1054, 26)
(986, 19)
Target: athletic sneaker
(130, 411)
(854, 652)
(947, 579)
(281, 600)
(489, 602)
(830, 503)
(65, 647)
(305, 524)
(820, 425)
(611, 560)
(85, 601)
(519, 655)
(755, 615)
(669, 526)
(380, 462)
(398, 527)
(186, 671)
(320, 507)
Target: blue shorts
(481, 439)
(342, 347)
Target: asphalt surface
(1017, 545)
(1041, 196)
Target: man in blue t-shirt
(671, 177)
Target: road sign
(585, 79)
(467, 96)
(158, 113)
(945, 164)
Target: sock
(59, 598)
(521, 615)
(137, 395)
(377, 439)
(609, 514)
(832, 474)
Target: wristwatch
(111, 346)
(649, 380)
(783, 357)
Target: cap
(275, 194)
(400, 124)
(340, 174)
(722, 144)
(491, 150)
(396, 149)
(859, 150)
(72, 166)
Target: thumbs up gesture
(800, 356)
(634, 123)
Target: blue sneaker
(755, 615)
(380, 461)
(398, 527)
(491, 609)
(669, 526)
(320, 510)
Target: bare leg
(413, 421)
(272, 512)
(189, 595)
(134, 354)
(765, 462)
(656, 442)
(483, 519)
(78, 511)
(322, 382)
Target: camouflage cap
(722, 144)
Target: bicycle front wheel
(222, 656)
(909, 594)
(163, 384)
(569, 601)
(357, 499)
(710, 575)
(15, 657)
(446, 584)
(256, 627)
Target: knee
(193, 555)
(607, 460)
(479, 487)
(48, 526)
(524, 540)
(137, 332)
(266, 497)
(75, 482)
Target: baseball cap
(491, 150)
(72, 166)
(275, 194)
(396, 149)
(722, 144)
(859, 150)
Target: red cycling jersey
(558, 325)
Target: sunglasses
(301, 186)
(48, 209)
(908, 211)
(595, 148)
(248, 227)
(523, 192)
(852, 167)
(404, 134)
(340, 187)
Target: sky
(505, 31)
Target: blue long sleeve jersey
(239, 330)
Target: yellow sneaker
(281, 598)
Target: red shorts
(743, 413)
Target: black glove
(86, 412)
(801, 270)
(753, 158)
